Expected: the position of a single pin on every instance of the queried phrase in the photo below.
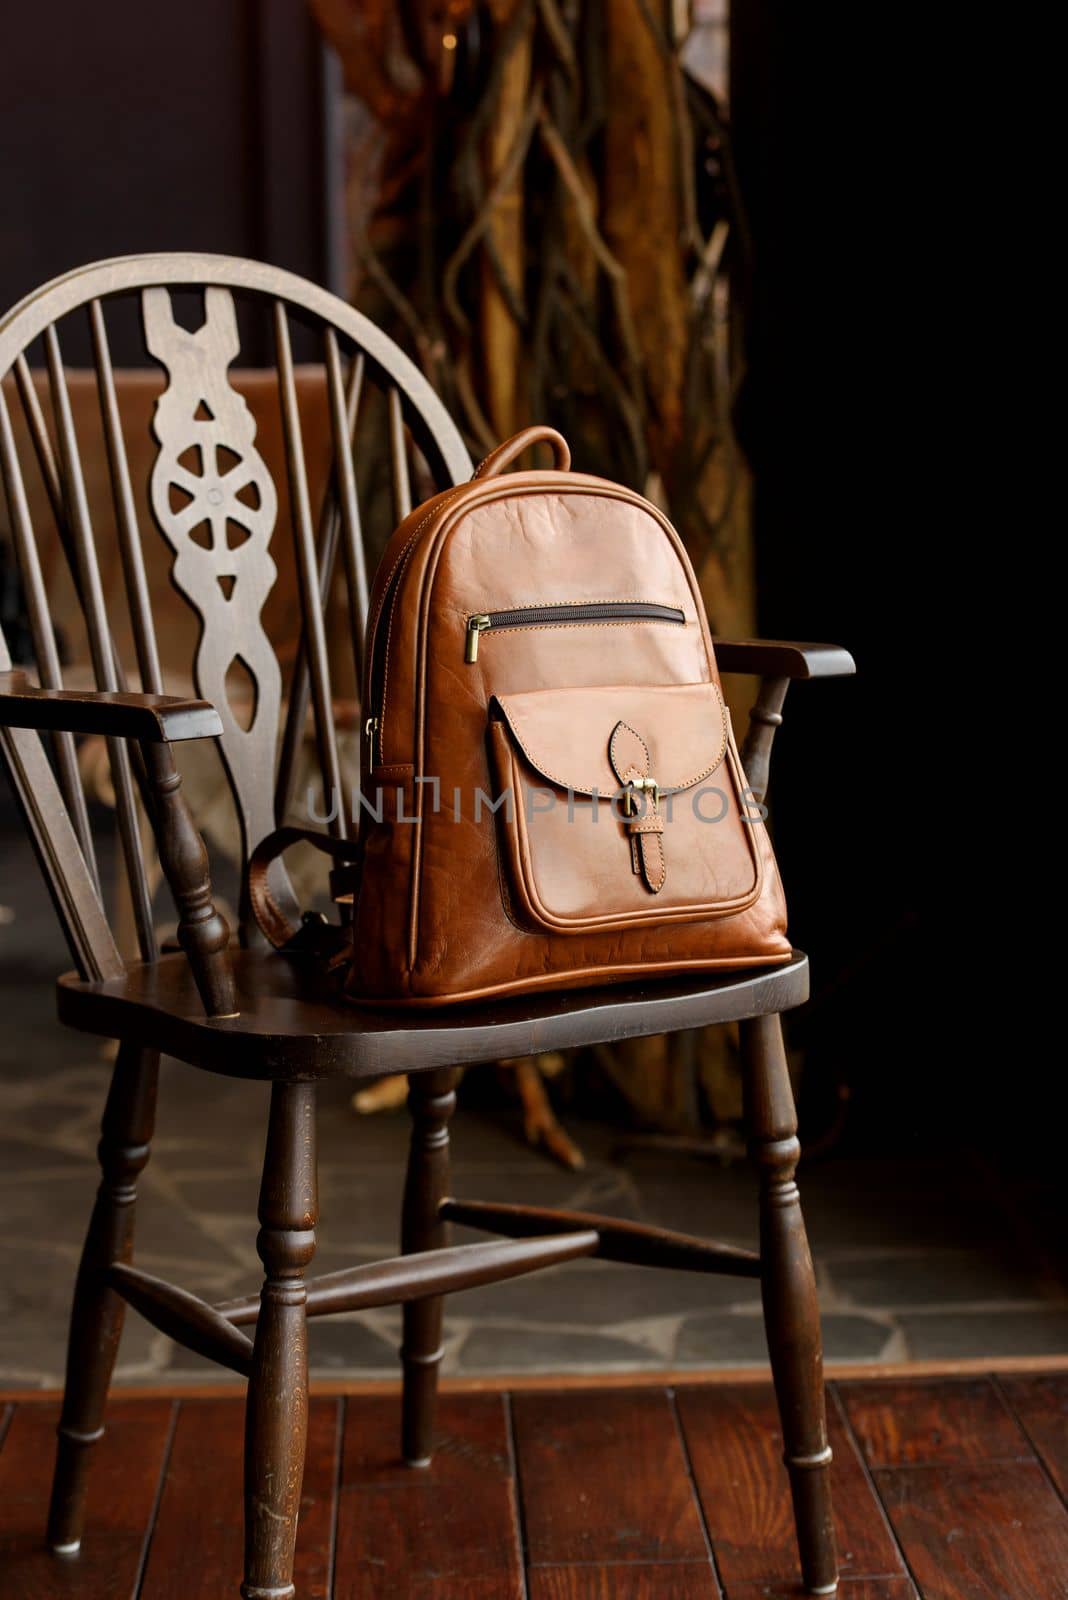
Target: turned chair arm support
(776, 662)
(155, 722)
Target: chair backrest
(210, 492)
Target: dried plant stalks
(542, 206)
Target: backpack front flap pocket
(621, 807)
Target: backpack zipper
(378, 664)
(550, 616)
(373, 723)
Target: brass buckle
(635, 786)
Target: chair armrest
(155, 722)
(776, 662)
(780, 658)
(152, 718)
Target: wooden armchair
(251, 1012)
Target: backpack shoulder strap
(270, 919)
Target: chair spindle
(101, 648)
(130, 549)
(308, 577)
(330, 523)
(398, 456)
(43, 634)
(53, 482)
(342, 419)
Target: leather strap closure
(642, 821)
(647, 848)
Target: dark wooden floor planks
(673, 1580)
(450, 1533)
(848, 1589)
(929, 1419)
(975, 1511)
(980, 1532)
(314, 1570)
(121, 1502)
(199, 1525)
(611, 1494)
(603, 1477)
(736, 1448)
(1041, 1404)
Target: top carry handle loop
(506, 453)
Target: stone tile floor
(916, 1258)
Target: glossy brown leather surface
(467, 900)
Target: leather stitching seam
(397, 568)
(595, 600)
(612, 747)
(663, 867)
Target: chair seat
(294, 1025)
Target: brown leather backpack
(551, 793)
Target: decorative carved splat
(215, 503)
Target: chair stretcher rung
(632, 1242)
(424, 1273)
(184, 1317)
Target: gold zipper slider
(475, 625)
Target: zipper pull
(475, 625)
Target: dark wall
(835, 413)
(132, 127)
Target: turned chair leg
(97, 1311)
(791, 1311)
(431, 1101)
(276, 1417)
